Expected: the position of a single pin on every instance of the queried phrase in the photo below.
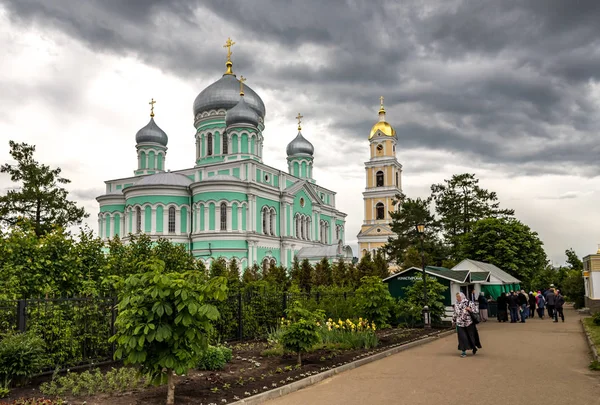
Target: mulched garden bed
(247, 374)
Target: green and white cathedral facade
(230, 204)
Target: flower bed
(251, 372)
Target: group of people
(522, 306)
(468, 312)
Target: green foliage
(322, 275)
(251, 274)
(94, 382)
(303, 278)
(508, 244)
(278, 277)
(460, 203)
(302, 333)
(21, 356)
(358, 334)
(596, 319)
(214, 358)
(339, 274)
(37, 197)
(411, 305)
(374, 302)
(218, 268)
(573, 288)
(164, 320)
(34, 401)
(573, 260)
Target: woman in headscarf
(468, 337)
(502, 308)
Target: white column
(177, 221)
(153, 224)
(239, 215)
(206, 211)
(229, 217)
(165, 220)
(283, 217)
(156, 162)
(122, 227)
(250, 256)
(252, 200)
(143, 222)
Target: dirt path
(536, 362)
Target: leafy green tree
(251, 274)
(278, 277)
(374, 302)
(295, 272)
(508, 244)
(366, 267)
(339, 274)
(323, 274)
(218, 268)
(573, 288)
(412, 258)
(164, 320)
(302, 333)
(38, 195)
(233, 274)
(573, 260)
(460, 202)
(410, 307)
(542, 279)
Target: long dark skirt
(502, 316)
(468, 338)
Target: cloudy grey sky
(509, 90)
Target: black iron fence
(76, 330)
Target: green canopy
(494, 290)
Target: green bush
(215, 358)
(410, 307)
(21, 356)
(302, 332)
(95, 382)
(596, 318)
(374, 302)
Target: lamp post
(426, 315)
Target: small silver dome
(225, 93)
(241, 114)
(152, 133)
(300, 146)
(165, 179)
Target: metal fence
(76, 330)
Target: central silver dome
(225, 93)
(152, 133)
(300, 146)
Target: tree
(365, 267)
(339, 274)
(460, 202)
(573, 286)
(374, 302)
(508, 244)
(410, 307)
(164, 321)
(323, 273)
(278, 276)
(251, 274)
(304, 276)
(38, 196)
(218, 268)
(380, 265)
(233, 273)
(302, 333)
(573, 260)
(402, 247)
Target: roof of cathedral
(300, 146)
(165, 179)
(225, 93)
(220, 177)
(328, 251)
(382, 125)
(241, 113)
(152, 133)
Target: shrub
(94, 382)
(302, 332)
(34, 401)
(214, 358)
(596, 318)
(373, 301)
(411, 306)
(21, 356)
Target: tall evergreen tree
(305, 276)
(38, 197)
(218, 268)
(380, 266)
(366, 267)
(251, 274)
(339, 274)
(323, 273)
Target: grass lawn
(594, 332)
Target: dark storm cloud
(502, 82)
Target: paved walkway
(537, 362)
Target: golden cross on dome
(152, 102)
(299, 118)
(381, 101)
(228, 44)
(381, 109)
(242, 80)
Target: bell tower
(383, 183)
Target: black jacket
(532, 301)
(559, 301)
(522, 299)
(513, 301)
(483, 304)
(550, 298)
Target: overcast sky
(509, 90)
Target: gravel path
(537, 362)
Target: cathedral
(384, 176)
(229, 204)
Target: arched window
(396, 179)
(380, 208)
(297, 226)
(265, 222)
(265, 265)
(337, 233)
(225, 144)
(171, 219)
(379, 177)
(273, 263)
(223, 216)
(302, 221)
(272, 222)
(209, 141)
(138, 220)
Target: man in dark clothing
(522, 305)
(550, 302)
(532, 304)
(559, 301)
(513, 306)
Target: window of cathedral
(171, 219)
(272, 222)
(273, 263)
(380, 211)
(138, 220)
(264, 220)
(297, 226)
(396, 179)
(225, 144)
(265, 265)
(209, 144)
(302, 202)
(266, 177)
(223, 216)
(302, 229)
(379, 179)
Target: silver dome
(241, 114)
(225, 93)
(300, 146)
(152, 133)
(165, 179)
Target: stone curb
(590, 343)
(305, 382)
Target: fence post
(284, 304)
(21, 311)
(240, 326)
